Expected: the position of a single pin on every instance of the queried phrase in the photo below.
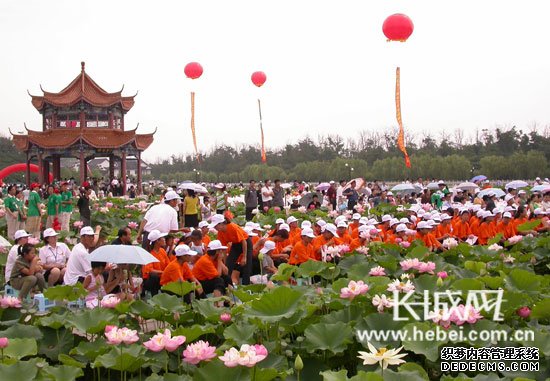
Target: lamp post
(350, 169)
(196, 174)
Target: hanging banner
(401, 137)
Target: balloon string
(193, 125)
(264, 158)
(401, 137)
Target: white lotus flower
(381, 302)
(382, 356)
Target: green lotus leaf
(328, 337)
(275, 305)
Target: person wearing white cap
(205, 228)
(318, 227)
(400, 235)
(343, 232)
(241, 246)
(152, 272)
(328, 237)
(79, 264)
(486, 229)
(427, 237)
(178, 270)
(53, 256)
(162, 217)
(303, 249)
(21, 237)
(306, 224)
(506, 226)
(461, 228)
(294, 229)
(445, 229)
(384, 225)
(211, 271)
(268, 266)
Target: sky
(469, 65)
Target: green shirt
(10, 203)
(53, 200)
(66, 196)
(34, 201)
(19, 204)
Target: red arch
(21, 167)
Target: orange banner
(193, 125)
(264, 157)
(401, 136)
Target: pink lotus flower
(104, 210)
(132, 225)
(3, 250)
(266, 209)
(373, 232)
(333, 214)
(405, 244)
(117, 335)
(398, 240)
(515, 239)
(4, 342)
(377, 271)
(442, 274)
(109, 301)
(461, 315)
(353, 289)
(302, 209)
(225, 317)
(426, 267)
(9, 302)
(381, 302)
(276, 209)
(247, 355)
(363, 250)
(78, 224)
(199, 351)
(109, 204)
(408, 264)
(164, 341)
(524, 312)
(33, 241)
(399, 286)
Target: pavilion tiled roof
(83, 87)
(95, 137)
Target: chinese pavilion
(82, 121)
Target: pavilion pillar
(56, 164)
(82, 119)
(138, 157)
(111, 124)
(123, 172)
(28, 171)
(82, 168)
(46, 171)
(111, 168)
(40, 169)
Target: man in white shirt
(267, 194)
(162, 217)
(340, 199)
(79, 264)
(21, 238)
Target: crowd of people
(199, 241)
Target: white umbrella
(286, 185)
(197, 188)
(516, 184)
(497, 191)
(403, 188)
(540, 188)
(122, 254)
(433, 186)
(467, 186)
(322, 186)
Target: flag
(401, 136)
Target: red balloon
(193, 70)
(398, 27)
(258, 78)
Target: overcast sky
(469, 64)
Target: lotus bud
(298, 363)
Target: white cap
(306, 224)
(171, 195)
(258, 227)
(487, 214)
(249, 230)
(215, 220)
(537, 179)
(508, 197)
(386, 218)
(445, 217)
(219, 185)
(321, 223)
(363, 221)
(404, 220)
(216, 245)
(268, 246)
(291, 219)
(372, 221)
(507, 215)
(249, 224)
(342, 224)
(491, 194)
(339, 219)
(509, 209)
(284, 226)
(152, 236)
(401, 228)
(203, 224)
(49, 233)
(308, 232)
(539, 212)
(521, 192)
(22, 234)
(279, 221)
(182, 250)
(331, 229)
(356, 216)
(441, 182)
(423, 225)
(394, 221)
(86, 230)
